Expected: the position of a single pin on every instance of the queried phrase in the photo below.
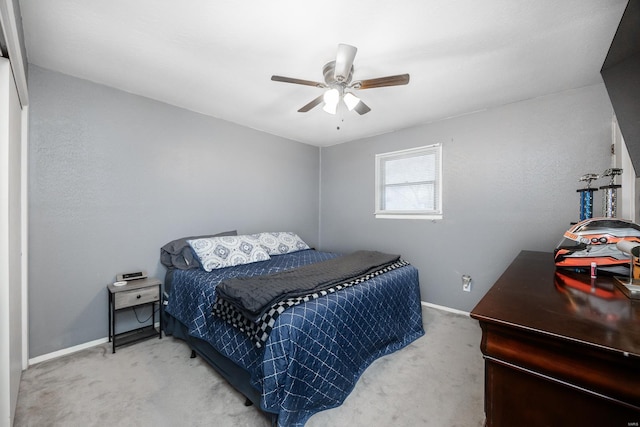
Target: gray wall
(114, 176)
(510, 180)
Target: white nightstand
(135, 293)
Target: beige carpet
(436, 381)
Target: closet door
(10, 245)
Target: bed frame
(236, 376)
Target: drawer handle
(139, 296)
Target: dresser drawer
(135, 297)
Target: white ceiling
(217, 57)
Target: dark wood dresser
(560, 349)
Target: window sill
(408, 216)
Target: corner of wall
(319, 239)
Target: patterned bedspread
(316, 350)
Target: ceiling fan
(338, 80)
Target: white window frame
(382, 213)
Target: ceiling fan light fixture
(350, 100)
(331, 109)
(331, 99)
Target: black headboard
(621, 75)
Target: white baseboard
(69, 350)
(65, 351)
(444, 308)
(79, 347)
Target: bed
(316, 349)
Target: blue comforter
(317, 350)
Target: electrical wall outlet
(466, 283)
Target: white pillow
(227, 251)
(280, 243)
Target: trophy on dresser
(586, 196)
(610, 194)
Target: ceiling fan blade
(361, 108)
(400, 79)
(344, 62)
(312, 104)
(297, 81)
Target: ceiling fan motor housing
(329, 70)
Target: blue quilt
(316, 350)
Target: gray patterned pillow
(280, 243)
(227, 251)
(178, 254)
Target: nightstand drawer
(134, 297)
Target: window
(409, 183)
